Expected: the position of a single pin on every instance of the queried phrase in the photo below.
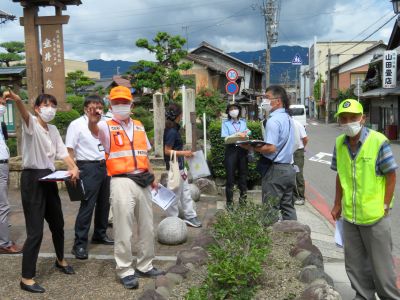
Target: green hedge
(216, 156)
(12, 146)
(63, 119)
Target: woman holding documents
(173, 144)
(41, 145)
(234, 129)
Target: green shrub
(76, 103)
(63, 119)
(12, 146)
(236, 260)
(216, 156)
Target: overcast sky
(109, 29)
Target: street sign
(231, 88)
(296, 61)
(389, 69)
(357, 91)
(232, 74)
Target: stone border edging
(320, 285)
(186, 262)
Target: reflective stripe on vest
(363, 190)
(126, 156)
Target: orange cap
(120, 92)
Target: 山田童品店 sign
(389, 69)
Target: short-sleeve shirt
(173, 139)
(4, 152)
(231, 126)
(385, 162)
(80, 139)
(104, 133)
(279, 131)
(301, 133)
(40, 147)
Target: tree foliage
(13, 52)
(317, 89)
(76, 82)
(165, 71)
(209, 101)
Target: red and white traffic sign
(232, 74)
(231, 88)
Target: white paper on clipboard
(339, 233)
(198, 165)
(163, 197)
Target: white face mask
(351, 129)
(121, 111)
(266, 105)
(2, 110)
(234, 113)
(47, 114)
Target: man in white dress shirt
(89, 155)
(6, 245)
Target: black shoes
(152, 273)
(34, 288)
(65, 269)
(80, 253)
(105, 241)
(130, 282)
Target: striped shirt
(385, 162)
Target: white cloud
(109, 29)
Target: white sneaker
(194, 222)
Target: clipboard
(57, 176)
(76, 192)
(253, 143)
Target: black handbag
(142, 179)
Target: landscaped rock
(291, 226)
(196, 256)
(172, 231)
(203, 240)
(311, 273)
(206, 186)
(320, 292)
(151, 295)
(194, 192)
(302, 255)
(163, 291)
(163, 281)
(304, 242)
(174, 278)
(178, 269)
(313, 259)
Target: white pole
(183, 106)
(233, 98)
(205, 135)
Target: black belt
(3, 161)
(103, 161)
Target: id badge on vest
(118, 139)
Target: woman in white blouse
(41, 145)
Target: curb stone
(320, 284)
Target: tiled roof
(207, 62)
(13, 71)
(122, 81)
(48, 2)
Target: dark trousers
(97, 193)
(235, 160)
(40, 201)
(277, 188)
(298, 157)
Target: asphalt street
(319, 175)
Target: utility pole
(186, 36)
(328, 88)
(270, 10)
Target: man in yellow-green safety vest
(365, 183)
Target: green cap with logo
(349, 106)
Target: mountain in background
(282, 54)
(279, 70)
(109, 68)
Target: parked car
(299, 113)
